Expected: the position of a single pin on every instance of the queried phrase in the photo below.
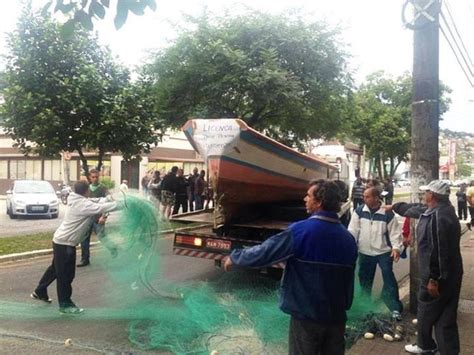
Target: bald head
(372, 197)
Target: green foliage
(84, 11)
(66, 94)
(463, 170)
(107, 182)
(283, 75)
(382, 121)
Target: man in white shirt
(80, 215)
(379, 239)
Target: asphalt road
(29, 327)
(26, 226)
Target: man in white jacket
(72, 231)
(379, 239)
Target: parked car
(403, 183)
(32, 198)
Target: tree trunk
(379, 166)
(392, 168)
(85, 166)
(100, 161)
(396, 167)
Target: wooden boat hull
(246, 167)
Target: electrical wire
(455, 54)
(457, 44)
(446, 2)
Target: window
(105, 171)
(17, 169)
(52, 170)
(3, 169)
(33, 169)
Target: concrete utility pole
(425, 111)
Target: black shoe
(46, 299)
(83, 263)
(468, 226)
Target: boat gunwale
(244, 127)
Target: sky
(372, 29)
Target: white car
(403, 183)
(32, 198)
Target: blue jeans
(98, 229)
(367, 265)
(197, 202)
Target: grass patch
(23, 243)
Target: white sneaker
(415, 349)
(396, 316)
(71, 310)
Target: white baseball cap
(437, 186)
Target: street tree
(464, 170)
(71, 95)
(282, 74)
(382, 120)
(84, 11)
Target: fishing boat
(245, 167)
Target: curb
(42, 252)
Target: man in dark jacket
(181, 193)
(357, 194)
(438, 235)
(318, 283)
(169, 187)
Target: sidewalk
(465, 313)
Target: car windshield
(33, 187)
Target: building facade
(173, 150)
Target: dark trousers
(462, 210)
(367, 266)
(86, 243)
(440, 313)
(198, 202)
(191, 201)
(310, 338)
(357, 202)
(181, 201)
(63, 270)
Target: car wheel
(11, 214)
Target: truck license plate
(218, 244)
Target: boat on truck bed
(246, 167)
(258, 188)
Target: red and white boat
(245, 167)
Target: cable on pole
(456, 44)
(446, 3)
(457, 58)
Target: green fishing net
(234, 312)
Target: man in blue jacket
(318, 284)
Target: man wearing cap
(438, 236)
